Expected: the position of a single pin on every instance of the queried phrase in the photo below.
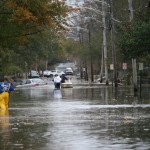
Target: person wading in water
(5, 89)
(57, 81)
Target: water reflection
(103, 95)
(4, 129)
(67, 93)
(57, 94)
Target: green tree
(135, 41)
(23, 24)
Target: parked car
(31, 83)
(45, 73)
(69, 71)
(33, 74)
(52, 73)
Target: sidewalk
(82, 82)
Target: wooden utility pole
(104, 41)
(113, 44)
(134, 67)
(102, 65)
(90, 48)
(130, 10)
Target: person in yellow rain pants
(4, 100)
(5, 89)
(4, 118)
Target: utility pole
(90, 48)
(134, 67)
(104, 41)
(113, 44)
(102, 65)
(130, 10)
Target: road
(78, 118)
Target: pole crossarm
(95, 10)
(99, 2)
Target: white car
(45, 73)
(31, 83)
(69, 71)
(52, 73)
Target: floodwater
(78, 118)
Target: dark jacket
(63, 79)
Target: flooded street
(78, 118)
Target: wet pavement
(78, 118)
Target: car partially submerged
(35, 82)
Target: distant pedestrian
(57, 81)
(63, 78)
